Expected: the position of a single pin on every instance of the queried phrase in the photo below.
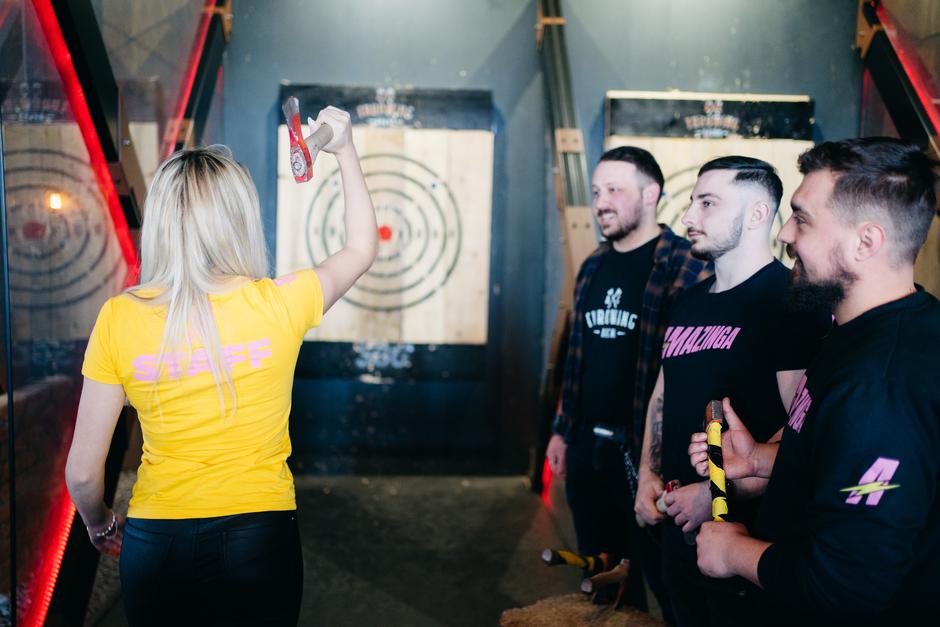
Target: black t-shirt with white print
(731, 343)
(853, 503)
(610, 331)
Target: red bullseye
(34, 230)
(385, 232)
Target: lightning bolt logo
(870, 488)
(873, 483)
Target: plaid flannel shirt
(674, 269)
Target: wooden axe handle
(319, 138)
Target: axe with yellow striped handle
(714, 419)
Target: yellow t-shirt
(197, 464)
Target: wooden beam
(576, 224)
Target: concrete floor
(413, 550)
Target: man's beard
(625, 229)
(721, 247)
(820, 296)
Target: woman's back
(211, 535)
(196, 462)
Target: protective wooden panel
(580, 233)
(146, 140)
(432, 191)
(681, 157)
(64, 258)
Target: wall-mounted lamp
(55, 201)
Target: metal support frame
(908, 103)
(8, 357)
(190, 128)
(90, 57)
(572, 200)
(897, 87)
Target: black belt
(618, 435)
(610, 432)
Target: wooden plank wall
(432, 190)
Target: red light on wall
(913, 68)
(73, 89)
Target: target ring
(420, 231)
(59, 257)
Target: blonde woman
(204, 348)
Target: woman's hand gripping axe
(303, 152)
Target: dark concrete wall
(791, 46)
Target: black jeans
(602, 509)
(245, 569)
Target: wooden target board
(684, 130)
(64, 258)
(432, 191)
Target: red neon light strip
(913, 67)
(174, 123)
(48, 571)
(76, 95)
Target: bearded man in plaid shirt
(621, 303)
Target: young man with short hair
(728, 336)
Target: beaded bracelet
(112, 528)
